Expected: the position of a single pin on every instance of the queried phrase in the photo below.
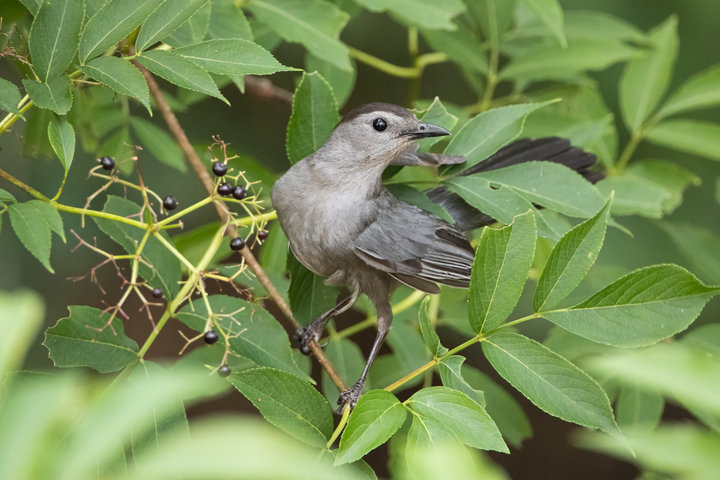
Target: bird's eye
(379, 124)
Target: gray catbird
(343, 224)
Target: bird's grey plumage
(343, 224)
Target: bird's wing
(416, 248)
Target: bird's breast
(321, 224)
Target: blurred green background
(256, 128)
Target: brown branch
(224, 214)
(262, 87)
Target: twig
(223, 213)
(262, 87)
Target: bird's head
(378, 132)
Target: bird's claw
(305, 336)
(350, 396)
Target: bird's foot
(350, 396)
(306, 335)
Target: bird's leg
(313, 331)
(351, 395)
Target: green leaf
(54, 36)
(695, 243)
(601, 25)
(676, 369)
(450, 370)
(181, 72)
(638, 409)
(287, 402)
(502, 261)
(376, 417)
(167, 420)
(32, 222)
(159, 268)
(112, 23)
(641, 308)
(76, 341)
(264, 341)
(460, 46)
(309, 296)
(702, 90)
(6, 197)
(413, 196)
(436, 113)
(194, 30)
(679, 450)
(341, 81)
(446, 460)
(458, 416)
(430, 337)
(501, 406)
(316, 24)
(645, 80)
(62, 140)
(549, 185)
(408, 345)
(9, 97)
(551, 14)
(548, 380)
(54, 95)
(159, 143)
(313, 118)
(691, 136)
(232, 56)
(493, 17)
(32, 5)
(121, 76)
(21, 316)
(551, 61)
(227, 20)
(652, 188)
(428, 14)
(488, 132)
(570, 260)
(502, 203)
(348, 361)
(165, 20)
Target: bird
(344, 225)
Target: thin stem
(12, 117)
(478, 338)
(627, 153)
(185, 211)
(384, 66)
(340, 427)
(492, 79)
(175, 252)
(254, 218)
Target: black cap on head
(377, 107)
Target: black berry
(262, 235)
(219, 169)
(170, 203)
(157, 293)
(225, 189)
(224, 370)
(107, 163)
(237, 243)
(239, 192)
(210, 337)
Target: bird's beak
(426, 130)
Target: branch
(223, 213)
(262, 87)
